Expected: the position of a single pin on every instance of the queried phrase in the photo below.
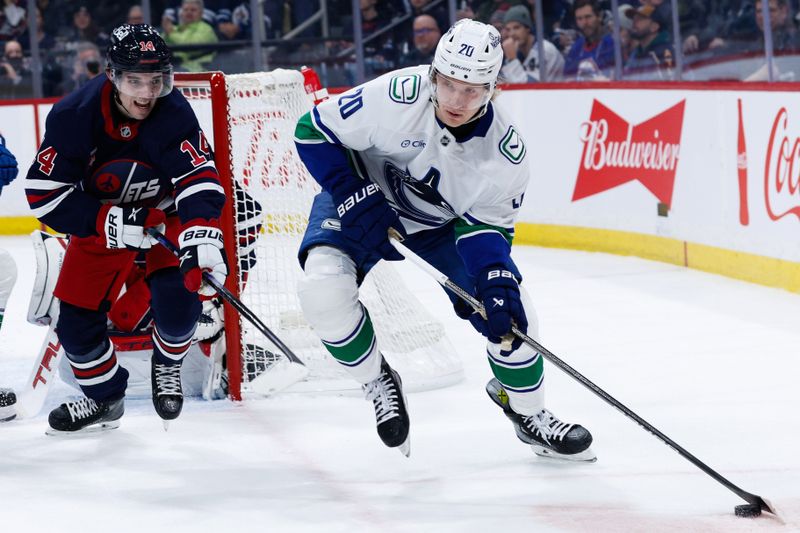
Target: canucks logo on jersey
(404, 188)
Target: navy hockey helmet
(139, 48)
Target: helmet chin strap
(120, 104)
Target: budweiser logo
(616, 152)
(781, 176)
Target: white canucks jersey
(393, 139)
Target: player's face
(458, 101)
(138, 92)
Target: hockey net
(250, 120)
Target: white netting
(274, 194)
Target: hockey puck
(750, 510)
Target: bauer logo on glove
(202, 251)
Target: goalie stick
(31, 398)
(755, 503)
(281, 374)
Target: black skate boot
(546, 434)
(167, 392)
(391, 415)
(86, 416)
(7, 401)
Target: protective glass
(143, 84)
(459, 95)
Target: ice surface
(710, 361)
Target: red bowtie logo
(616, 152)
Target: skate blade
(586, 456)
(7, 413)
(166, 424)
(88, 430)
(405, 448)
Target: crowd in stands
(578, 37)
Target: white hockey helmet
(469, 52)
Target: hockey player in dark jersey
(123, 154)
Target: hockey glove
(202, 251)
(8, 166)
(498, 290)
(366, 218)
(123, 228)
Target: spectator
(86, 65)
(15, 79)
(233, 22)
(426, 37)
(135, 15)
(521, 53)
(12, 20)
(439, 12)
(654, 51)
(594, 46)
(11, 64)
(46, 41)
(625, 27)
(785, 37)
(496, 20)
(485, 9)
(190, 30)
(84, 28)
(380, 53)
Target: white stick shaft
(32, 396)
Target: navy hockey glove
(8, 166)
(498, 290)
(466, 312)
(202, 251)
(123, 228)
(366, 218)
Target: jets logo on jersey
(512, 147)
(405, 89)
(124, 181)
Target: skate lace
(383, 394)
(83, 408)
(168, 379)
(547, 425)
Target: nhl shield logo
(125, 131)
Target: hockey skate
(8, 400)
(167, 392)
(86, 416)
(391, 415)
(547, 435)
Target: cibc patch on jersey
(124, 181)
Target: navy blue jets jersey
(92, 154)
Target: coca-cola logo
(782, 169)
(616, 152)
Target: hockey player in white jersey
(425, 151)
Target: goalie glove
(366, 218)
(202, 251)
(123, 228)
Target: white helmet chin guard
(469, 52)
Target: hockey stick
(31, 399)
(280, 375)
(756, 503)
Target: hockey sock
(98, 373)
(169, 350)
(358, 350)
(522, 375)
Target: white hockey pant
(328, 295)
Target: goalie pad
(49, 251)
(8, 276)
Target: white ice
(710, 361)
